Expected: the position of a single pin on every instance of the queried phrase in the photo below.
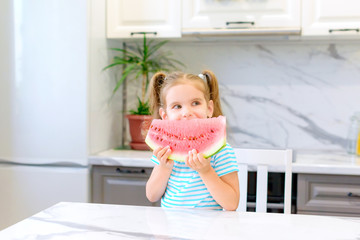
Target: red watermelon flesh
(207, 136)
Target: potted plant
(138, 62)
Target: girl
(198, 182)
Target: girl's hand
(197, 162)
(162, 155)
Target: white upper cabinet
(128, 18)
(330, 17)
(241, 14)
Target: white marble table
(105, 222)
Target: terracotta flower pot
(139, 125)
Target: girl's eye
(195, 103)
(177, 106)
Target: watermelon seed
(155, 128)
(212, 131)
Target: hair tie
(202, 76)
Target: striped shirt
(186, 189)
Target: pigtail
(213, 85)
(154, 93)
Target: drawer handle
(129, 171)
(344, 30)
(350, 194)
(133, 33)
(228, 23)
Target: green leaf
(141, 59)
(109, 66)
(142, 109)
(126, 51)
(156, 47)
(126, 72)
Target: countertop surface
(314, 162)
(105, 222)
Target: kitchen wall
(282, 93)
(105, 113)
(297, 94)
(275, 93)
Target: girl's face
(185, 101)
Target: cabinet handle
(228, 23)
(350, 194)
(134, 33)
(130, 171)
(344, 30)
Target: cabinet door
(120, 185)
(160, 18)
(330, 17)
(252, 13)
(328, 194)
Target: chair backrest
(259, 160)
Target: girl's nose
(186, 113)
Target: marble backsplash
(295, 94)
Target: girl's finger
(200, 157)
(166, 154)
(195, 159)
(190, 160)
(156, 151)
(162, 152)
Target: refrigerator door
(43, 84)
(43, 106)
(26, 190)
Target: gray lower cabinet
(120, 185)
(328, 195)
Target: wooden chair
(259, 160)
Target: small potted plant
(138, 62)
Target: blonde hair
(161, 82)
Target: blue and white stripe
(187, 190)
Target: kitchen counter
(128, 158)
(313, 162)
(101, 221)
(316, 162)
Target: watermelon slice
(207, 136)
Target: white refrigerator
(43, 106)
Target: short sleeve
(225, 161)
(155, 160)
